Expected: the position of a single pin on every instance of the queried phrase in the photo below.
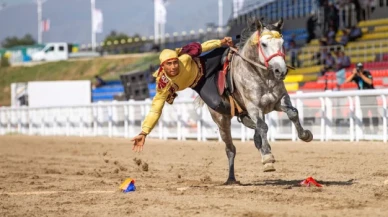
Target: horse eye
(263, 44)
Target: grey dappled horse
(259, 91)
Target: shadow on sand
(296, 183)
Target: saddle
(225, 84)
(224, 77)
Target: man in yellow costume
(186, 67)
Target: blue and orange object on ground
(128, 185)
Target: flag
(97, 21)
(160, 11)
(45, 25)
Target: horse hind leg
(292, 113)
(224, 123)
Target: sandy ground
(58, 176)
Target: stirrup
(246, 120)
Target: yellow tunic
(188, 71)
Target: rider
(186, 67)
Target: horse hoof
(269, 167)
(308, 136)
(232, 182)
(268, 158)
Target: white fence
(343, 115)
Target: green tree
(10, 42)
(114, 36)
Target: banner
(45, 25)
(97, 21)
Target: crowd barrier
(342, 115)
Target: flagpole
(220, 13)
(39, 11)
(156, 23)
(93, 6)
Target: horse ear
(259, 24)
(279, 24)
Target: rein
(260, 50)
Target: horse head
(268, 42)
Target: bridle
(273, 34)
(280, 52)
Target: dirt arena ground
(58, 176)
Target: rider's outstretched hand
(138, 143)
(227, 41)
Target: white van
(59, 51)
(52, 52)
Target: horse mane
(247, 32)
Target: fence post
(384, 118)
(323, 118)
(329, 118)
(9, 121)
(179, 121)
(19, 118)
(95, 120)
(69, 111)
(110, 119)
(351, 118)
(131, 117)
(358, 115)
(126, 119)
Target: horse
(259, 90)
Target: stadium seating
(108, 91)
(371, 49)
(377, 22)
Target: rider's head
(169, 62)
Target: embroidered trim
(200, 72)
(170, 98)
(163, 81)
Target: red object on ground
(310, 181)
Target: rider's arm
(155, 111)
(210, 45)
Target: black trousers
(207, 85)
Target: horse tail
(198, 102)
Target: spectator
(331, 36)
(333, 17)
(310, 26)
(358, 9)
(99, 81)
(355, 33)
(343, 61)
(329, 63)
(294, 51)
(344, 38)
(364, 80)
(320, 56)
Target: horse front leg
(261, 143)
(292, 113)
(224, 124)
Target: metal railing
(342, 115)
